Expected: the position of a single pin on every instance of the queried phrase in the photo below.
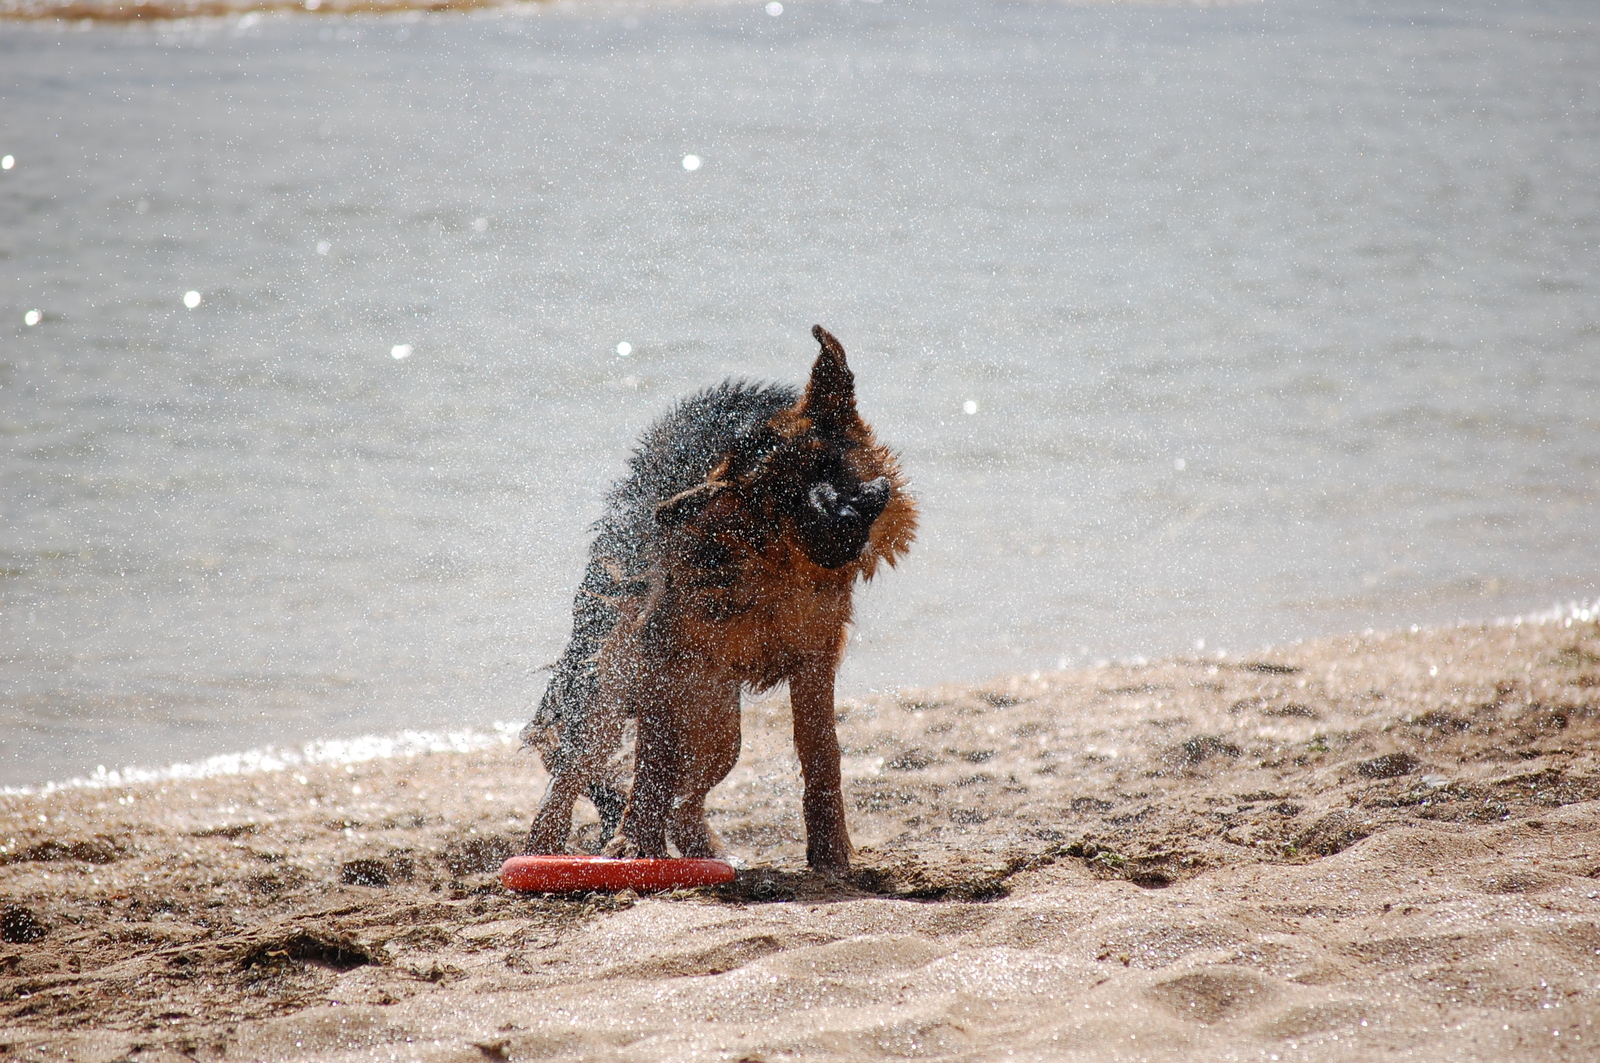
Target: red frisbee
(571, 874)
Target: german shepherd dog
(725, 560)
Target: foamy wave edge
(272, 758)
(1582, 611)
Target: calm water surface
(1274, 319)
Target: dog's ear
(830, 400)
(686, 505)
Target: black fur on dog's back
(674, 454)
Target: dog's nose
(872, 497)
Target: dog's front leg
(710, 749)
(816, 741)
(655, 779)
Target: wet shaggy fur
(725, 560)
(674, 455)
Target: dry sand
(1357, 848)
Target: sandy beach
(1197, 325)
(1384, 845)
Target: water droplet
(323, 247)
(32, 318)
(400, 352)
(624, 349)
(7, 162)
(774, 9)
(312, 5)
(1179, 464)
(691, 163)
(191, 299)
(970, 406)
(480, 224)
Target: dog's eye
(709, 554)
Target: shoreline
(1368, 844)
(413, 742)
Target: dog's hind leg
(609, 802)
(578, 765)
(709, 750)
(553, 820)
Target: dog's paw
(698, 840)
(829, 854)
(624, 848)
(545, 841)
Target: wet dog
(726, 560)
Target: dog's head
(820, 476)
(839, 487)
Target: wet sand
(1372, 846)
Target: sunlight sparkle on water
(969, 407)
(774, 9)
(624, 348)
(191, 299)
(400, 352)
(691, 163)
(31, 318)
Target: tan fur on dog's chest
(781, 610)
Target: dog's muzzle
(836, 527)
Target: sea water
(322, 337)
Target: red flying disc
(571, 874)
